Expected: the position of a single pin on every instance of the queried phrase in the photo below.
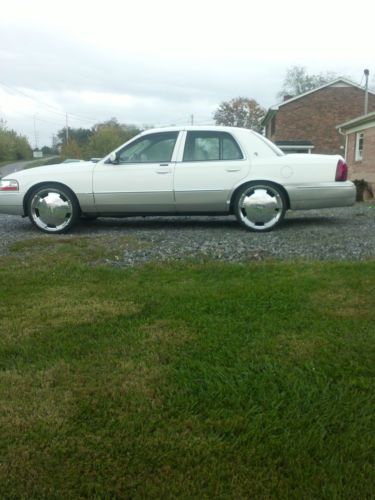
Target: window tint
(230, 149)
(154, 148)
(211, 146)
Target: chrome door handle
(232, 169)
(165, 170)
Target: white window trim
(359, 152)
(294, 148)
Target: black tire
(53, 208)
(88, 217)
(260, 206)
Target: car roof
(217, 128)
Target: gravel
(330, 234)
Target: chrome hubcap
(51, 210)
(261, 207)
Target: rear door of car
(141, 181)
(210, 163)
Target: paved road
(13, 167)
(16, 166)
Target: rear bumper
(325, 195)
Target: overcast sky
(158, 62)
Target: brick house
(360, 147)
(307, 123)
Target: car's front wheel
(260, 206)
(53, 208)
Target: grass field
(190, 380)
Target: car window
(153, 148)
(211, 146)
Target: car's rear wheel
(260, 206)
(53, 208)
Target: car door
(141, 178)
(211, 164)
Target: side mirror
(113, 158)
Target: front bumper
(11, 203)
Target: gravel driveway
(331, 234)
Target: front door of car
(211, 164)
(141, 178)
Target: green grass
(193, 380)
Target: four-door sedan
(186, 170)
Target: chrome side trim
(202, 200)
(127, 202)
(328, 195)
(86, 202)
(11, 209)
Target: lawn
(189, 380)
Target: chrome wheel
(53, 209)
(260, 207)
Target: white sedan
(185, 170)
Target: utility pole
(66, 128)
(35, 133)
(192, 119)
(367, 72)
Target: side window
(211, 146)
(153, 148)
(231, 151)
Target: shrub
(364, 190)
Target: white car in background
(181, 170)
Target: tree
(240, 112)
(108, 135)
(72, 149)
(104, 140)
(46, 150)
(297, 81)
(98, 141)
(80, 135)
(13, 146)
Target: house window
(359, 146)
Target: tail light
(341, 171)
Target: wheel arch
(257, 181)
(47, 183)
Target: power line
(181, 120)
(52, 109)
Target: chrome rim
(260, 207)
(51, 210)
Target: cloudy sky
(159, 62)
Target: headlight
(8, 185)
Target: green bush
(364, 190)
(12, 145)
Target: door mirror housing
(113, 158)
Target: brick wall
(315, 116)
(365, 168)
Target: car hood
(56, 169)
